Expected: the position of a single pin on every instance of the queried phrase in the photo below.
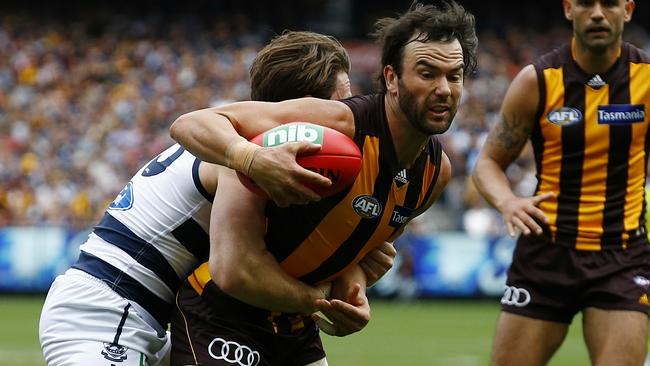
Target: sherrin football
(339, 158)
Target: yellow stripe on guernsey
(337, 226)
(594, 172)
(384, 231)
(639, 94)
(552, 159)
(199, 278)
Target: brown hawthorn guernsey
(591, 148)
(318, 241)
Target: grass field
(431, 333)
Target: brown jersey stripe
(339, 223)
(548, 139)
(434, 161)
(620, 138)
(536, 136)
(573, 145)
(639, 94)
(362, 234)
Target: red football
(339, 158)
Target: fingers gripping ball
(339, 158)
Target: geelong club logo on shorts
(514, 296)
(233, 352)
(114, 352)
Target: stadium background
(88, 90)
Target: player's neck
(408, 142)
(593, 61)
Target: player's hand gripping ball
(339, 158)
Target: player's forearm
(492, 182)
(208, 135)
(258, 280)
(379, 261)
(342, 284)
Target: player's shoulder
(525, 81)
(364, 102)
(554, 58)
(367, 110)
(635, 54)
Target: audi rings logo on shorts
(514, 296)
(233, 352)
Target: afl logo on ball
(367, 206)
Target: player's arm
(502, 146)
(379, 261)
(348, 311)
(219, 135)
(240, 264)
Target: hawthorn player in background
(113, 306)
(426, 52)
(583, 244)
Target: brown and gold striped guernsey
(591, 148)
(318, 241)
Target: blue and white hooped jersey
(153, 234)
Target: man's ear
(629, 9)
(391, 79)
(566, 4)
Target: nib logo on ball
(338, 159)
(292, 133)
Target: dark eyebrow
(425, 63)
(428, 64)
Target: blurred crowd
(84, 105)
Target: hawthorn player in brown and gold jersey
(426, 53)
(314, 243)
(590, 148)
(583, 246)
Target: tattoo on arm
(509, 136)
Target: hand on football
(276, 171)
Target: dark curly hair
(445, 22)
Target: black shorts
(216, 329)
(554, 282)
